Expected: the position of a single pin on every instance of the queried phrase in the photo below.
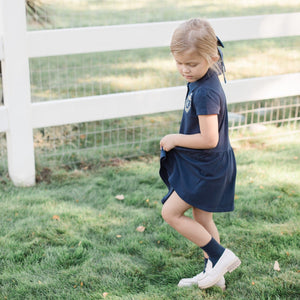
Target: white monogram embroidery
(188, 103)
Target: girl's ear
(215, 58)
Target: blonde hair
(196, 35)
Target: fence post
(16, 91)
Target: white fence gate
(18, 116)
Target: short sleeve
(206, 102)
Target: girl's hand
(168, 142)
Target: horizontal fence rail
(107, 38)
(94, 108)
(123, 37)
(87, 109)
(110, 38)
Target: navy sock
(214, 250)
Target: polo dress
(204, 178)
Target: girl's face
(191, 65)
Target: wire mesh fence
(70, 76)
(87, 144)
(62, 77)
(56, 14)
(277, 112)
(83, 75)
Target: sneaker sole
(222, 287)
(235, 264)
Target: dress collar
(193, 85)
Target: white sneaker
(228, 262)
(187, 282)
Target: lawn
(69, 237)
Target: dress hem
(220, 210)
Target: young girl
(198, 164)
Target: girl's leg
(223, 259)
(173, 213)
(206, 220)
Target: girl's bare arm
(207, 139)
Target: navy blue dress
(204, 178)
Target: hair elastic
(221, 60)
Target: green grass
(91, 246)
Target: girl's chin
(189, 78)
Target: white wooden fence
(19, 116)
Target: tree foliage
(37, 12)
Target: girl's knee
(165, 214)
(173, 209)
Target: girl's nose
(185, 69)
